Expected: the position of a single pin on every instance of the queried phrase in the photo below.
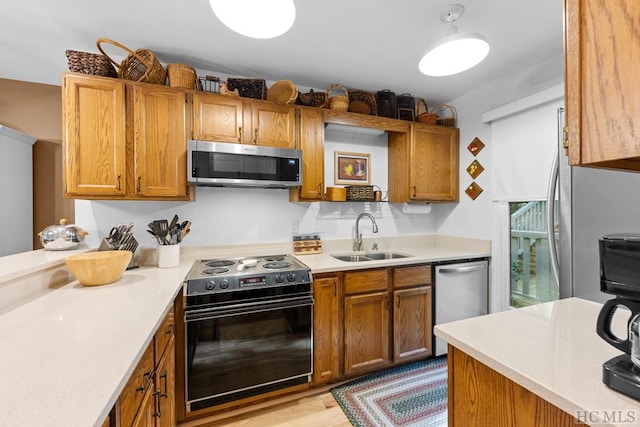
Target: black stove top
(233, 274)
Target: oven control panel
(247, 282)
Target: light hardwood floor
(319, 410)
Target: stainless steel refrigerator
(593, 203)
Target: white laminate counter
(67, 350)
(552, 350)
(429, 248)
(67, 354)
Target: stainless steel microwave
(224, 164)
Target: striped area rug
(410, 395)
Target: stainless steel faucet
(357, 239)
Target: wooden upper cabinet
(160, 141)
(423, 164)
(94, 136)
(602, 87)
(272, 125)
(123, 140)
(217, 118)
(224, 118)
(311, 141)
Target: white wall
(225, 216)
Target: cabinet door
(272, 125)
(433, 163)
(366, 332)
(160, 142)
(165, 384)
(412, 325)
(217, 118)
(311, 142)
(602, 86)
(137, 390)
(94, 136)
(326, 330)
(145, 417)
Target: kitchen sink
(386, 255)
(370, 256)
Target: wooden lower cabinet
(480, 396)
(148, 398)
(366, 332)
(326, 330)
(387, 317)
(412, 324)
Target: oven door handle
(247, 308)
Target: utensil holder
(168, 256)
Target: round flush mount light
(258, 19)
(455, 52)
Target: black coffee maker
(620, 276)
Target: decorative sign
(475, 169)
(352, 168)
(475, 146)
(473, 190)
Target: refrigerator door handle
(551, 235)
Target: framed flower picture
(352, 168)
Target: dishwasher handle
(466, 269)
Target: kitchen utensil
(174, 221)
(162, 228)
(62, 236)
(98, 268)
(244, 263)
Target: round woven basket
(141, 65)
(362, 102)
(427, 117)
(447, 121)
(181, 75)
(282, 92)
(338, 102)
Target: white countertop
(66, 351)
(551, 349)
(66, 355)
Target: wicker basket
(338, 102)
(282, 92)
(360, 193)
(90, 63)
(181, 75)
(362, 102)
(447, 121)
(312, 99)
(140, 66)
(427, 117)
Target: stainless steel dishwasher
(460, 292)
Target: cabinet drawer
(365, 281)
(164, 333)
(411, 276)
(134, 391)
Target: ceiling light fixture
(455, 52)
(258, 19)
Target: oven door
(246, 349)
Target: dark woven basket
(95, 64)
(360, 193)
(312, 99)
(362, 102)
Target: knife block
(105, 245)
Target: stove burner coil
(274, 258)
(215, 270)
(220, 263)
(277, 265)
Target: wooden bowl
(98, 268)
